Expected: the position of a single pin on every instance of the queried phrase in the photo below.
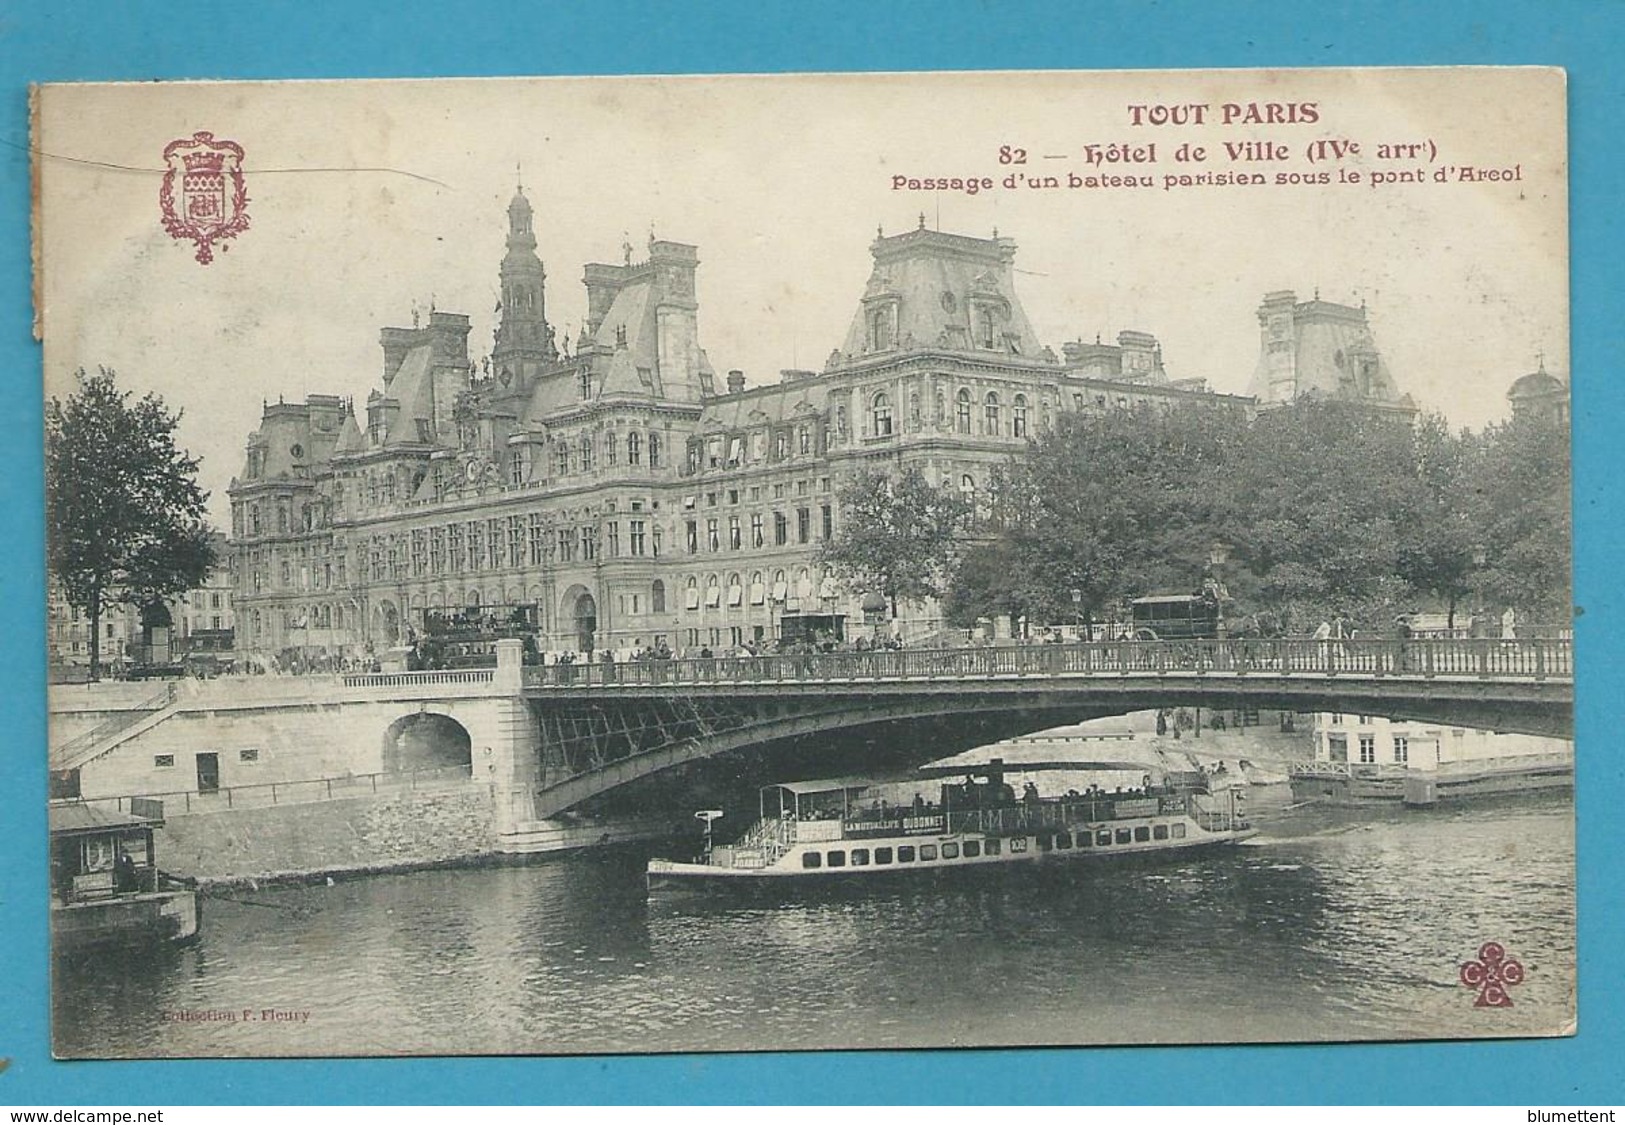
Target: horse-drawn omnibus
(1175, 617)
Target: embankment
(387, 831)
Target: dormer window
(880, 338)
(586, 380)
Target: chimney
(396, 343)
(736, 382)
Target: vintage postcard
(748, 563)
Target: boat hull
(155, 918)
(1028, 852)
(1355, 790)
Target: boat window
(905, 855)
(1142, 834)
(837, 859)
(1103, 838)
(1123, 835)
(928, 851)
(1046, 842)
(882, 855)
(994, 847)
(812, 859)
(950, 851)
(860, 857)
(1179, 831)
(163, 761)
(973, 848)
(1085, 838)
(1063, 840)
(1159, 832)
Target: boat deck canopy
(982, 769)
(74, 818)
(826, 785)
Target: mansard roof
(413, 389)
(781, 403)
(349, 440)
(937, 289)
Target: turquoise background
(181, 39)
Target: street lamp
(1077, 613)
(1217, 555)
(1480, 557)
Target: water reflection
(1325, 927)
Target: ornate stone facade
(615, 487)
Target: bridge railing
(419, 679)
(265, 793)
(1474, 658)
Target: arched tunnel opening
(426, 741)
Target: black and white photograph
(829, 561)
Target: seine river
(1327, 926)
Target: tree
(1109, 505)
(1437, 538)
(124, 513)
(897, 535)
(1323, 495)
(1522, 509)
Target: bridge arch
(808, 732)
(426, 740)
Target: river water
(1327, 926)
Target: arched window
(586, 453)
(654, 451)
(610, 444)
(991, 407)
(634, 448)
(882, 415)
(967, 492)
(962, 412)
(1018, 416)
(914, 410)
(657, 597)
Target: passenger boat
(818, 830)
(106, 888)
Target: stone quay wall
(390, 831)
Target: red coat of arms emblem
(212, 202)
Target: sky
(368, 199)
